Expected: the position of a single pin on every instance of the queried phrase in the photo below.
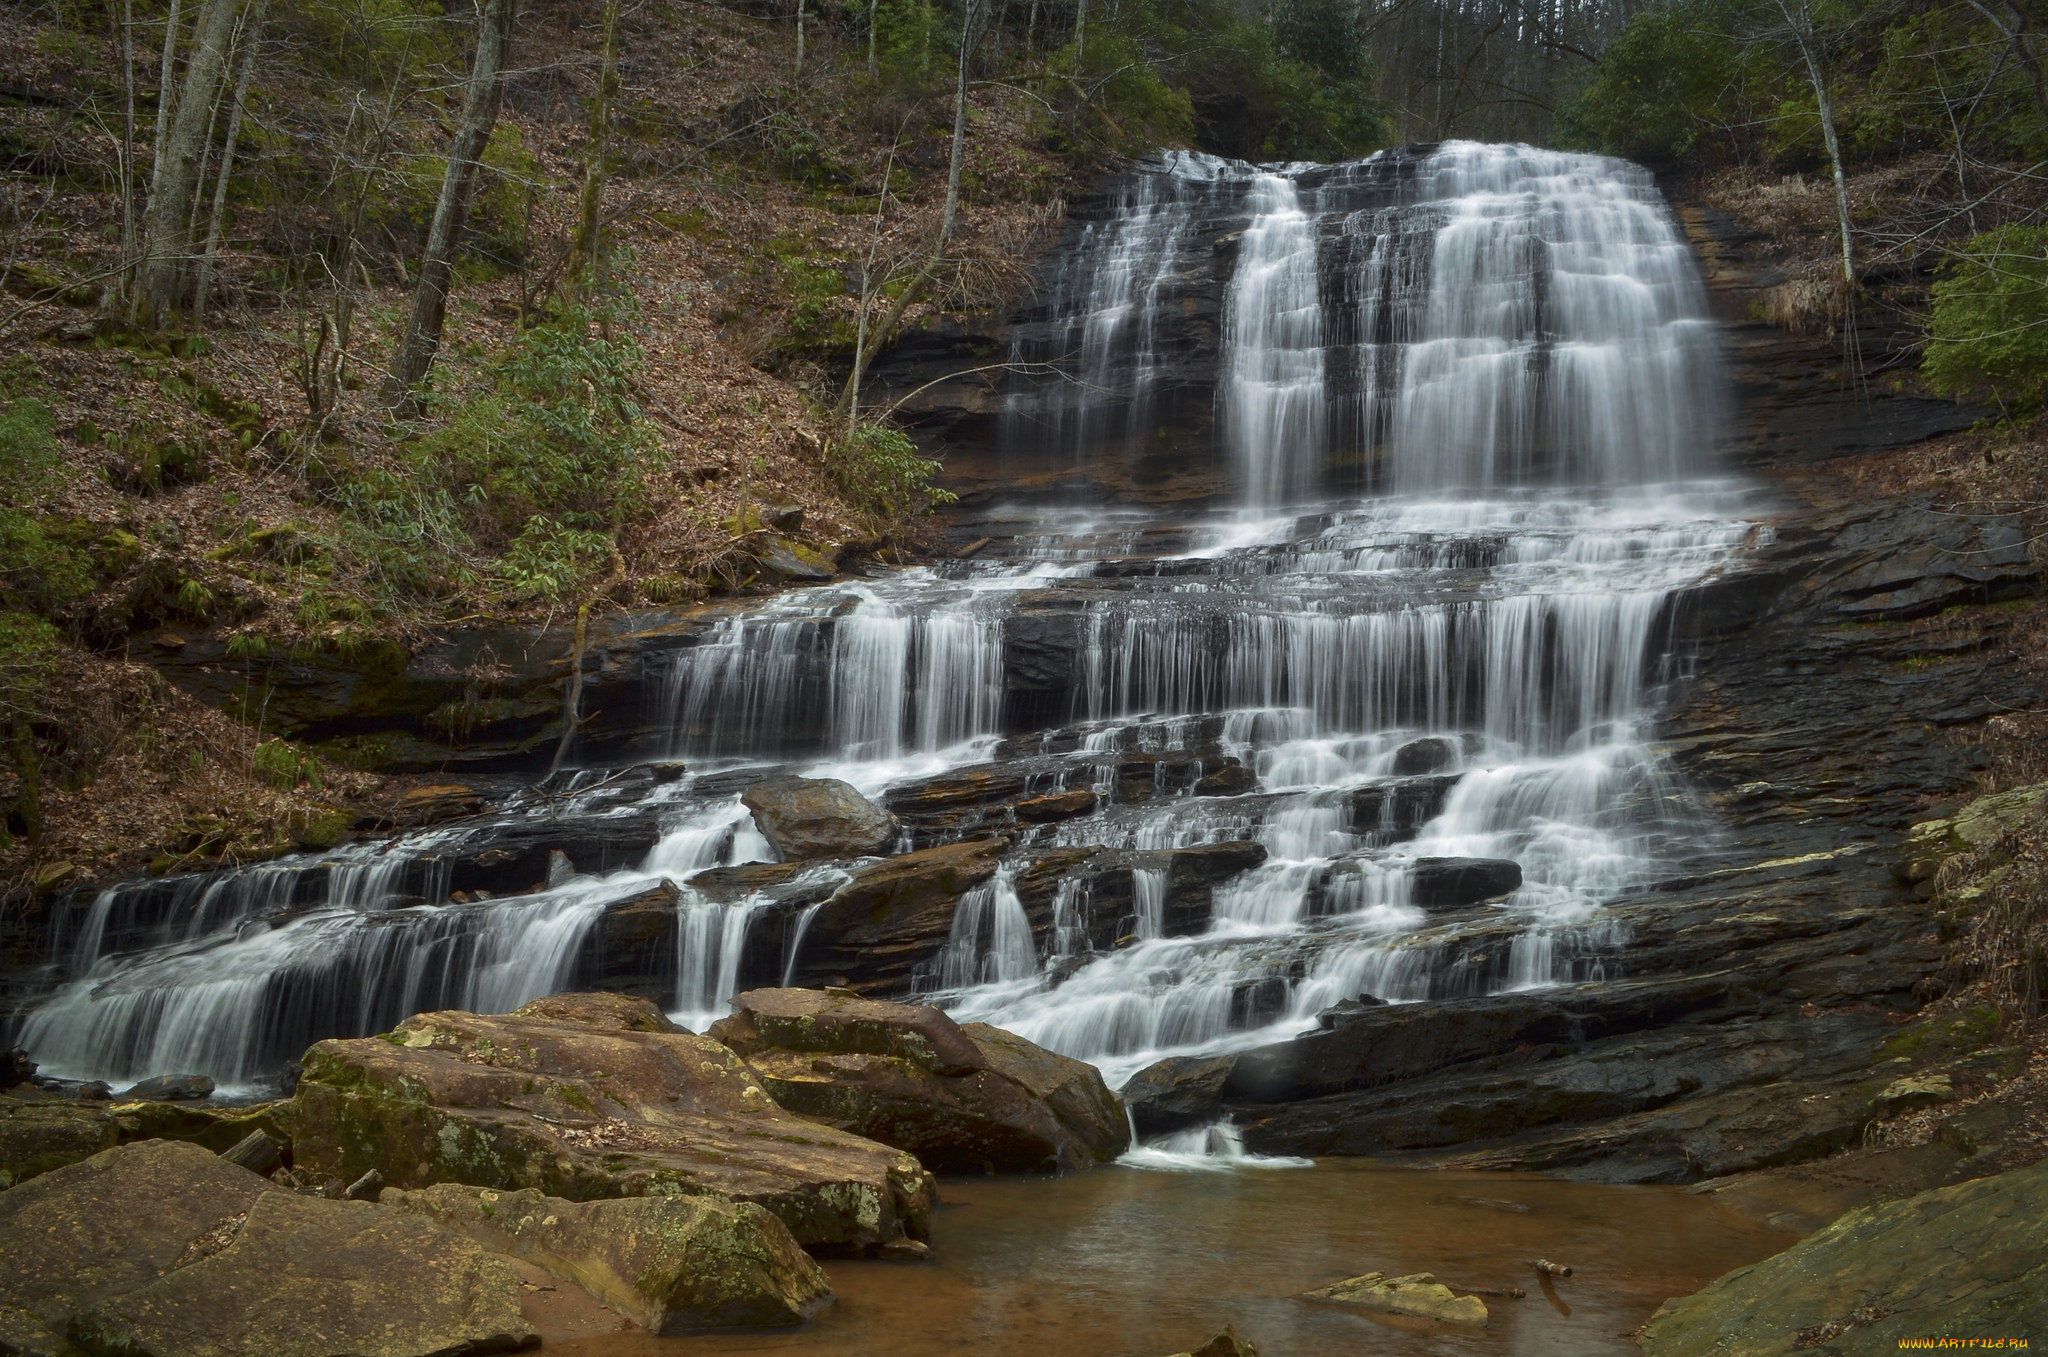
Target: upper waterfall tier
(1462, 317)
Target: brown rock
(671, 1264)
(1056, 806)
(961, 1099)
(305, 1277)
(818, 818)
(105, 1226)
(589, 1097)
(893, 916)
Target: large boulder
(963, 1099)
(160, 1249)
(671, 1264)
(1958, 1263)
(804, 817)
(587, 1097)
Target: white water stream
(1472, 396)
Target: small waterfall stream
(1472, 394)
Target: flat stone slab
(104, 1226)
(308, 1277)
(671, 1264)
(161, 1249)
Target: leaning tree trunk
(166, 236)
(480, 101)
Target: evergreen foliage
(1989, 329)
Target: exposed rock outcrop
(588, 1097)
(963, 1099)
(1959, 1263)
(671, 1264)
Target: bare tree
(1799, 23)
(251, 40)
(166, 236)
(483, 95)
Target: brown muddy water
(1129, 1261)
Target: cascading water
(1464, 389)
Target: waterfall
(1470, 395)
(1273, 391)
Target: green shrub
(281, 765)
(41, 565)
(879, 469)
(1989, 330)
(28, 658)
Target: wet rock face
(890, 920)
(964, 1100)
(1454, 883)
(1957, 1262)
(166, 1250)
(818, 818)
(592, 1097)
(671, 1264)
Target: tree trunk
(165, 241)
(28, 766)
(1802, 32)
(799, 37)
(873, 34)
(849, 398)
(970, 13)
(584, 270)
(480, 102)
(115, 296)
(165, 95)
(227, 164)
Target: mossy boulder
(589, 1097)
(1963, 1262)
(1931, 843)
(962, 1099)
(671, 1264)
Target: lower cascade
(1374, 729)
